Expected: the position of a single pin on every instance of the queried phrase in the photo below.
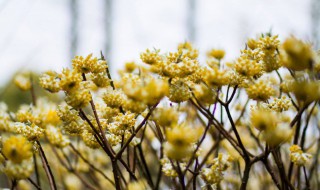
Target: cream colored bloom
(298, 157)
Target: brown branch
(118, 155)
(34, 184)
(47, 168)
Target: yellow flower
(70, 80)
(298, 157)
(216, 78)
(151, 57)
(130, 66)
(165, 117)
(100, 79)
(80, 97)
(214, 174)
(252, 43)
(204, 94)
(125, 121)
(263, 119)
(50, 81)
(17, 149)
(178, 65)
(179, 91)
(268, 43)
(67, 113)
(280, 104)
(270, 61)
(260, 90)
(114, 98)
(21, 170)
(280, 133)
(179, 141)
(89, 139)
(167, 168)
(89, 64)
(248, 67)
(28, 114)
(31, 131)
(306, 91)
(149, 90)
(55, 137)
(296, 54)
(134, 106)
(23, 81)
(216, 53)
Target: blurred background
(46, 34)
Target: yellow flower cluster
(31, 132)
(265, 51)
(216, 53)
(216, 78)
(165, 117)
(179, 91)
(73, 81)
(260, 90)
(167, 168)
(22, 81)
(298, 157)
(179, 141)
(18, 151)
(273, 126)
(296, 54)
(89, 64)
(151, 57)
(280, 104)
(204, 94)
(214, 174)
(148, 90)
(55, 137)
(248, 67)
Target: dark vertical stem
(36, 169)
(246, 156)
(306, 178)
(47, 168)
(116, 174)
(270, 171)
(144, 164)
(181, 176)
(245, 178)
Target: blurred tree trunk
(74, 28)
(191, 20)
(108, 30)
(315, 22)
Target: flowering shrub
(171, 122)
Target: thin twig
(47, 168)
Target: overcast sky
(35, 34)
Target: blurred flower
(17, 149)
(22, 81)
